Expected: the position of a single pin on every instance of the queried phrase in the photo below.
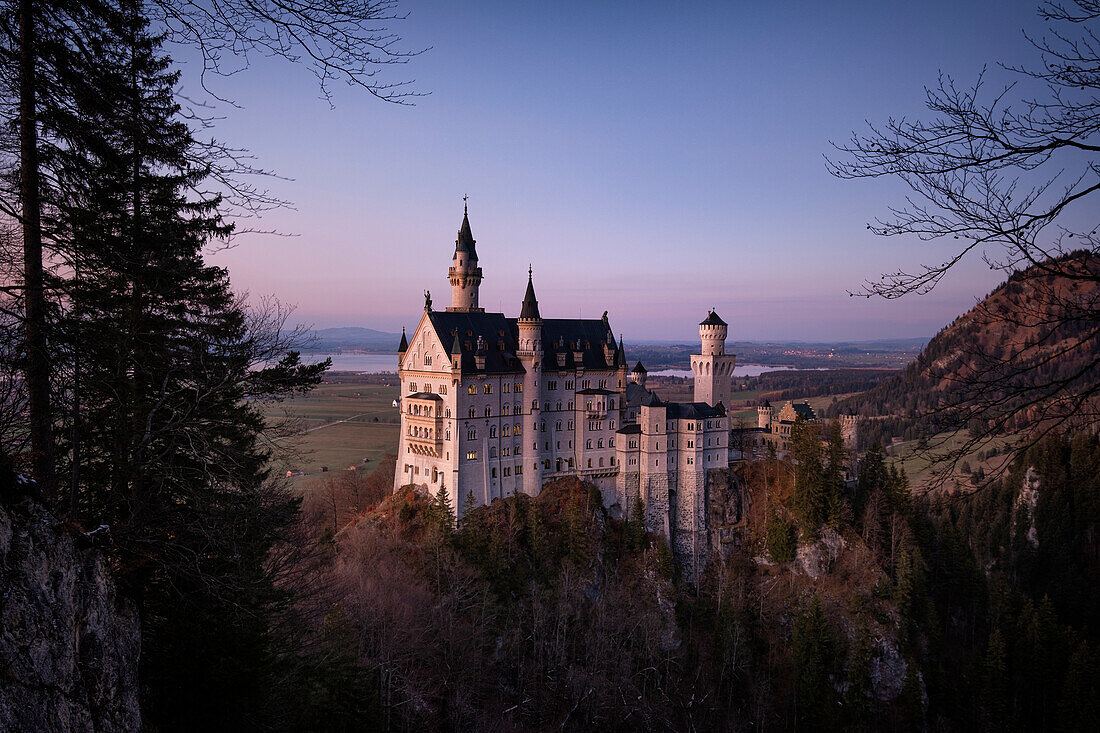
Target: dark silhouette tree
(1012, 174)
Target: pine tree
(813, 648)
(170, 455)
(810, 498)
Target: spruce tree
(170, 455)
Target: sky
(651, 159)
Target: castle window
(588, 405)
(471, 434)
(487, 389)
(570, 405)
(542, 426)
(691, 444)
(601, 463)
(557, 425)
(488, 412)
(519, 469)
(603, 383)
(517, 387)
(612, 425)
(517, 430)
(599, 443)
(412, 386)
(611, 444)
(442, 389)
(633, 444)
(588, 444)
(559, 406)
(507, 471)
(507, 409)
(546, 464)
(611, 404)
(506, 431)
(447, 412)
(691, 460)
(506, 451)
(472, 389)
(570, 425)
(569, 384)
(586, 384)
(471, 455)
(535, 405)
(494, 472)
(519, 449)
(472, 412)
(493, 431)
(448, 435)
(546, 407)
(552, 384)
(590, 463)
(492, 452)
(428, 362)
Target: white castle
(492, 406)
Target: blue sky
(649, 159)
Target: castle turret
(464, 274)
(529, 352)
(638, 374)
(764, 415)
(713, 367)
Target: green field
(348, 418)
(919, 464)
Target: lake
(377, 363)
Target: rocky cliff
(69, 643)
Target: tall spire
(530, 309)
(620, 357)
(404, 342)
(465, 242)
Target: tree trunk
(36, 368)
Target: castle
(492, 405)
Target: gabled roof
(804, 411)
(632, 428)
(638, 369)
(564, 335)
(694, 411)
(712, 319)
(462, 329)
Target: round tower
(713, 367)
(712, 335)
(529, 352)
(464, 274)
(638, 375)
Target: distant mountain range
(353, 338)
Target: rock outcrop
(69, 642)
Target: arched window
(588, 444)
(472, 412)
(472, 389)
(488, 412)
(488, 388)
(492, 431)
(507, 409)
(557, 425)
(493, 452)
(599, 443)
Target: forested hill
(1030, 344)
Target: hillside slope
(1028, 354)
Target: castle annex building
(492, 405)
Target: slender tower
(713, 368)
(529, 352)
(464, 274)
